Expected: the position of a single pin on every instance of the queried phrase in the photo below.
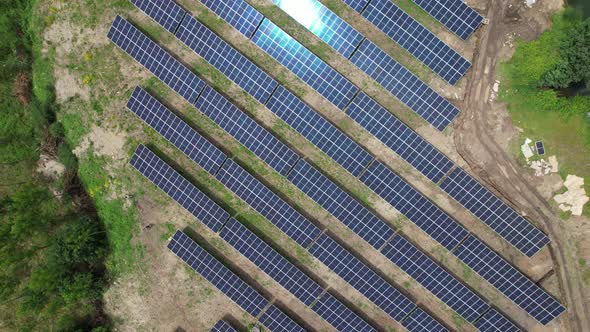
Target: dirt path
(476, 144)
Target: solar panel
(177, 187)
(415, 206)
(399, 137)
(267, 203)
(276, 320)
(246, 131)
(341, 205)
(238, 14)
(145, 51)
(434, 278)
(416, 39)
(508, 280)
(540, 148)
(494, 212)
(304, 64)
(357, 5)
(340, 316)
(404, 85)
(319, 131)
(226, 59)
(222, 326)
(271, 262)
(420, 321)
(318, 19)
(176, 131)
(220, 276)
(167, 13)
(493, 321)
(456, 15)
(361, 277)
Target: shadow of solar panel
(508, 280)
(323, 23)
(226, 59)
(413, 205)
(357, 5)
(399, 137)
(420, 321)
(456, 15)
(176, 131)
(304, 64)
(319, 131)
(341, 205)
(246, 131)
(361, 277)
(222, 326)
(238, 14)
(155, 59)
(493, 321)
(494, 212)
(340, 316)
(220, 276)
(276, 320)
(404, 85)
(267, 203)
(271, 262)
(177, 187)
(416, 39)
(434, 278)
(165, 12)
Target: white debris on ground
(530, 3)
(574, 198)
(494, 93)
(541, 167)
(50, 167)
(526, 149)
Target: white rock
(575, 196)
(526, 149)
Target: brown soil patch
(22, 88)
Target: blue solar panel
(456, 15)
(246, 131)
(167, 13)
(494, 212)
(226, 59)
(177, 187)
(330, 28)
(420, 321)
(222, 326)
(540, 148)
(493, 321)
(276, 320)
(176, 131)
(271, 262)
(268, 204)
(361, 277)
(404, 85)
(434, 278)
(508, 280)
(400, 138)
(416, 39)
(304, 64)
(357, 5)
(349, 211)
(238, 14)
(319, 131)
(220, 276)
(414, 205)
(340, 316)
(155, 59)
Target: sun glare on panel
(303, 11)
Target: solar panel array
(493, 321)
(276, 320)
(420, 321)
(222, 326)
(456, 15)
(336, 313)
(238, 14)
(167, 13)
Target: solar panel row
(493, 321)
(456, 15)
(167, 13)
(336, 313)
(238, 14)
(222, 326)
(276, 320)
(420, 321)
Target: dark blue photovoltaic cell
(246, 131)
(220, 276)
(404, 85)
(456, 15)
(341, 205)
(226, 59)
(416, 39)
(271, 262)
(361, 277)
(276, 320)
(304, 64)
(176, 131)
(540, 148)
(412, 204)
(237, 13)
(267, 203)
(169, 70)
(222, 326)
(494, 212)
(167, 13)
(434, 278)
(493, 321)
(508, 280)
(323, 23)
(177, 187)
(420, 321)
(357, 5)
(340, 316)
(319, 131)
(399, 137)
